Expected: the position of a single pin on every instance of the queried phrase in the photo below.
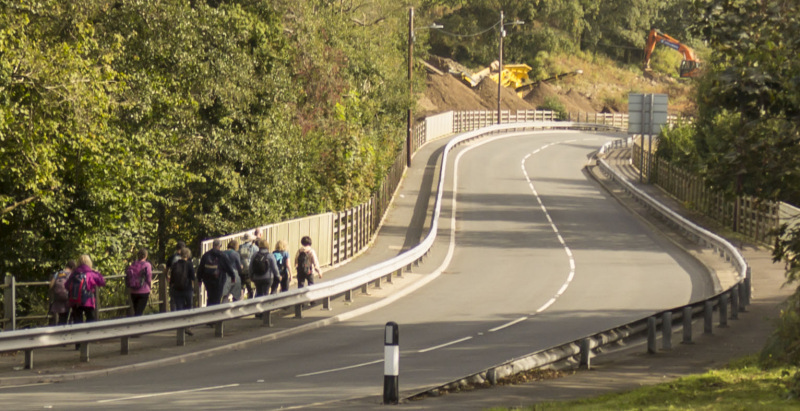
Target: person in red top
(138, 278)
(84, 307)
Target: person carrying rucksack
(284, 268)
(247, 251)
(306, 263)
(59, 296)
(181, 281)
(81, 287)
(264, 269)
(213, 269)
(138, 278)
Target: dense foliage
(137, 123)
(613, 27)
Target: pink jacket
(136, 267)
(93, 280)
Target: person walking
(265, 269)
(59, 296)
(247, 251)
(181, 281)
(175, 257)
(233, 288)
(138, 279)
(213, 270)
(284, 268)
(82, 285)
(306, 263)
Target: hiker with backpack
(306, 263)
(284, 268)
(247, 251)
(138, 279)
(81, 287)
(181, 281)
(59, 296)
(213, 270)
(180, 245)
(264, 269)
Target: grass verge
(742, 385)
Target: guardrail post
(742, 298)
(84, 346)
(723, 310)
(651, 335)
(735, 302)
(180, 337)
(266, 318)
(326, 303)
(666, 331)
(365, 289)
(219, 329)
(28, 359)
(389, 279)
(748, 279)
(9, 303)
(124, 345)
(687, 325)
(378, 282)
(399, 273)
(298, 311)
(586, 353)
(708, 317)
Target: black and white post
(391, 364)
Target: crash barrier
(727, 303)
(344, 287)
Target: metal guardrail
(737, 296)
(124, 328)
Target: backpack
(281, 262)
(260, 265)
(136, 280)
(179, 276)
(246, 253)
(210, 267)
(59, 289)
(303, 263)
(78, 293)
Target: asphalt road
(540, 256)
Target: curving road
(541, 255)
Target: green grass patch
(740, 386)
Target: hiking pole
(391, 364)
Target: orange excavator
(690, 66)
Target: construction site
(581, 87)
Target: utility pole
(410, 83)
(500, 66)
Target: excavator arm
(690, 66)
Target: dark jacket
(225, 266)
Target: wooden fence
(751, 217)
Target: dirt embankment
(603, 87)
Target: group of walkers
(226, 275)
(72, 292)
